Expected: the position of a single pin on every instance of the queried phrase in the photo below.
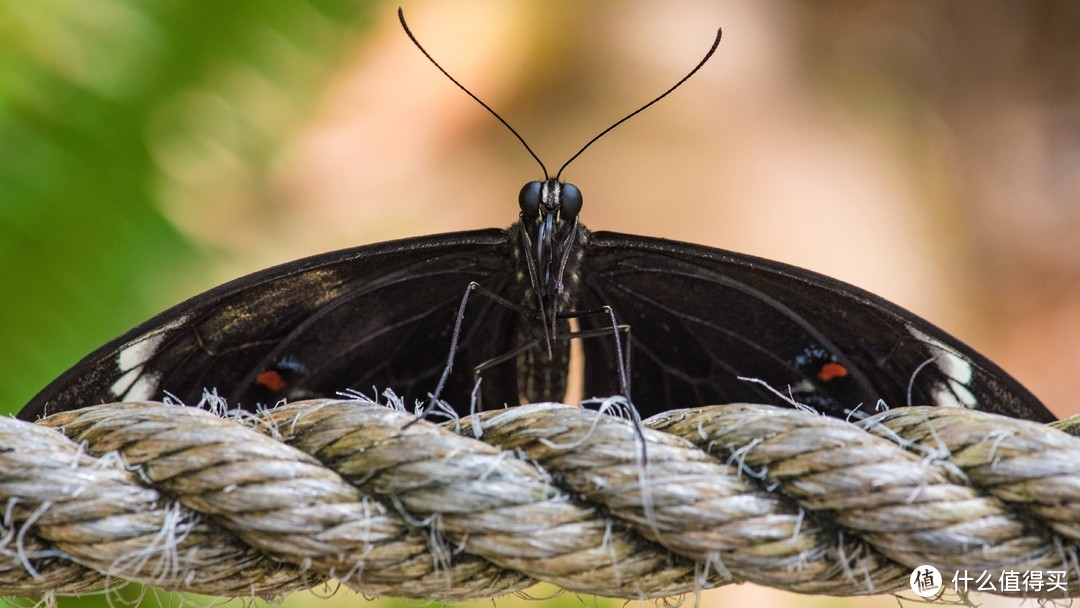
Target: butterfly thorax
(548, 244)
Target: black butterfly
(705, 326)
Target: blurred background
(928, 152)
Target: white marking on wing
(135, 354)
(954, 391)
(134, 384)
(146, 387)
(123, 383)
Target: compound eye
(571, 202)
(529, 199)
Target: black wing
(701, 318)
(375, 316)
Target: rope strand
(179, 498)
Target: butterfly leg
(456, 338)
(614, 330)
(479, 370)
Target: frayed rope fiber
(264, 505)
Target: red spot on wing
(832, 371)
(271, 380)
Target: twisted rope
(264, 505)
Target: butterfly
(664, 323)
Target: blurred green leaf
(87, 89)
(86, 92)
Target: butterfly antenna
(712, 49)
(408, 32)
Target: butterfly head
(550, 199)
(549, 217)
